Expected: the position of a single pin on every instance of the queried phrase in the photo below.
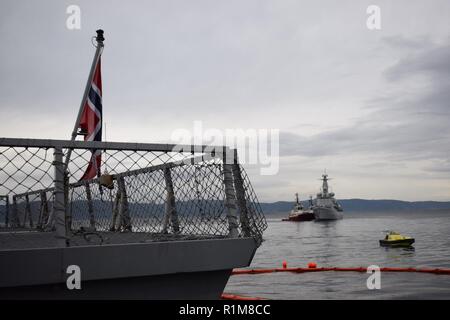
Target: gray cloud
(344, 97)
(411, 127)
(434, 62)
(407, 43)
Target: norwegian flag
(91, 122)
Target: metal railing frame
(232, 180)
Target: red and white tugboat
(299, 213)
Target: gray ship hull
(164, 223)
(159, 270)
(327, 213)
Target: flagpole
(99, 38)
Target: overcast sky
(370, 106)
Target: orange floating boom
(357, 269)
(228, 296)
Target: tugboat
(326, 207)
(395, 239)
(298, 213)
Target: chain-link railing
(143, 192)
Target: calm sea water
(351, 242)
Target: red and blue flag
(91, 122)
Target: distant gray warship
(325, 205)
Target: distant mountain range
(364, 205)
(104, 209)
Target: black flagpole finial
(100, 37)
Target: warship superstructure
(325, 205)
